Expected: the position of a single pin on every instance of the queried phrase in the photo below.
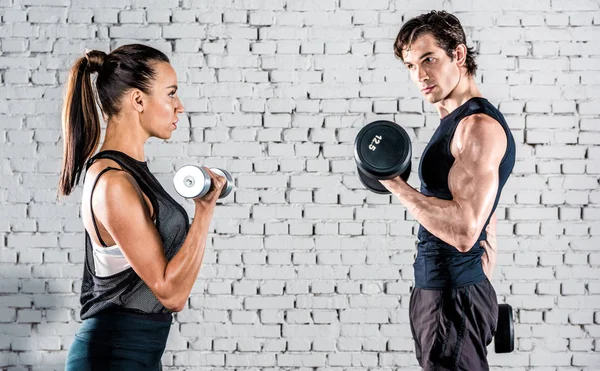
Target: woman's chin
(164, 136)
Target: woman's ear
(137, 100)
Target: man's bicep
(473, 179)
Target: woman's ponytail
(80, 121)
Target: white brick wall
(304, 268)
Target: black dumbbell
(504, 340)
(192, 181)
(382, 150)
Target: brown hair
(444, 27)
(127, 67)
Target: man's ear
(137, 100)
(461, 55)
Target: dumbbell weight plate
(504, 340)
(229, 186)
(191, 181)
(382, 150)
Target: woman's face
(159, 117)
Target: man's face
(434, 73)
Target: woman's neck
(121, 136)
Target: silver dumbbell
(192, 181)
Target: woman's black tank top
(125, 291)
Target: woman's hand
(217, 183)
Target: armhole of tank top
(450, 137)
(453, 131)
(154, 203)
(91, 206)
(153, 200)
(508, 142)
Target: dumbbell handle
(229, 181)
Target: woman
(142, 256)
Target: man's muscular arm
(478, 146)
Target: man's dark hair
(444, 27)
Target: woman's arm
(120, 207)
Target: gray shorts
(453, 327)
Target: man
(453, 308)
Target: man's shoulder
(480, 129)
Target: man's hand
(392, 184)
(490, 246)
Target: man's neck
(464, 90)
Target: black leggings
(453, 327)
(118, 341)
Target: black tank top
(125, 291)
(439, 265)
